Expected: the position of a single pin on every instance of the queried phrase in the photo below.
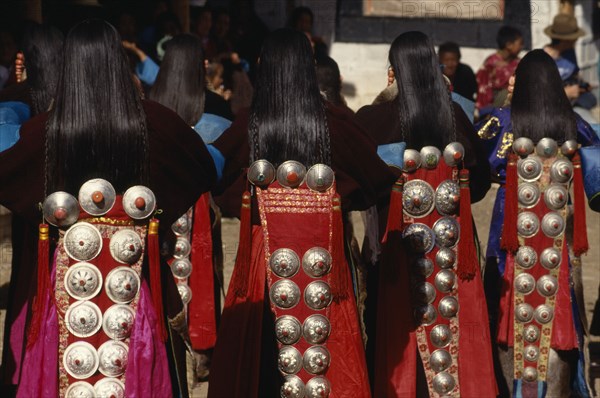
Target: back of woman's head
(287, 120)
(425, 112)
(181, 80)
(539, 107)
(42, 46)
(97, 126)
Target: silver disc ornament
(318, 387)
(80, 360)
(261, 173)
(543, 313)
(546, 148)
(110, 387)
(524, 283)
(316, 262)
(550, 258)
(524, 312)
(440, 360)
(316, 360)
(288, 329)
(424, 293)
(454, 153)
(447, 198)
(445, 258)
(97, 197)
(139, 202)
(289, 360)
(553, 224)
(80, 389)
(83, 281)
(284, 262)
(82, 242)
(61, 209)
(561, 171)
(422, 266)
(113, 356)
(443, 383)
(292, 387)
(526, 257)
(441, 336)
(316, 329)
(317, 295)
(126, 246)
(181, 268)
(320, 177)
(419, 237)
(529, 169)
(284, 293)
(185, 293)
(122, 284)
(430, 157)
(445, 280)
(412, 160)
(528, 195)
(448, 307)
(528, 224)
(83, 318)
(447, 232)
(425, 315)
(417, 198)
(556, 197)
(118, 321)
(523, 146)
(291, 174)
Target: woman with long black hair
(95, 318)
(428, 267)
(524, 250)
(290, 323)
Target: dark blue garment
(12, 115)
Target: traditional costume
(290, 325)
(535, 310)
(95, 328)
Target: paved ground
(482, 214)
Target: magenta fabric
(17, 341)
(147, 372)
(39, 375)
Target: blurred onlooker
(492, 77)
(302, 19)
(248, 31)
(564, 32)
(202, 18)
(8, 49)
(461, 76)
(127, 26)
(221, 31)
(330, 81)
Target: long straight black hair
(42, 46)
(425, 112)
(539, 107)
(181, 81)
(97, 127)
(287, 119)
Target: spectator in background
(492, 77)
(461, 76)
(201, 26)
(248, 31)
(330, 81)
(221, 32)
(8, 49)
(302, 19)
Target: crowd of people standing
(130, 145)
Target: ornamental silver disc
(261, 173)
(126, 246)
(82, 241)
(447, 232)
(185, 293)
(430, 157)
(83, 318)
(289, 360)
(318, 387)
(292, 387)
(316, 262)
(448, 307)
(139, 202)
(529, 169)
(530, 374)
(182, 226)
(182, 248)
(561, 171)
(528, 194)
(445, 280)
(424, 293)
(531, 333)
(423, 266)
(546, 148)
(61, 209)
(445, 258)
(412, 160)
(316, 329)
(425, 315)
(525, 283)
(118, 321)
(97, 197)
(523, 146)
(547, 285)
(441, 336)
(284, 293)
(288, 329)
(532, 353)
(80, 360)
(550, 258)
(122, 284)
(181, 268)
(317, 295)
(454, 153)
(110, 387)
(443, 383)
(290, 174)
(83, 281)
(553, 225)
(417, 198)
(526, 257)
(524, 312)
(320, 177)
(80, 389)
(113, 357)
(440, 360)
(543, 314)
(284, 263)
(447, 198)
(419, 237)
(528, 224)
(556, 197)
(316, 360)
(568, 148)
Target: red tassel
(580, 240)
(155, 283)
(43, 284)
(340, 287)
(509, 240)
(244, 248)
(395, 215)
(468, 260)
